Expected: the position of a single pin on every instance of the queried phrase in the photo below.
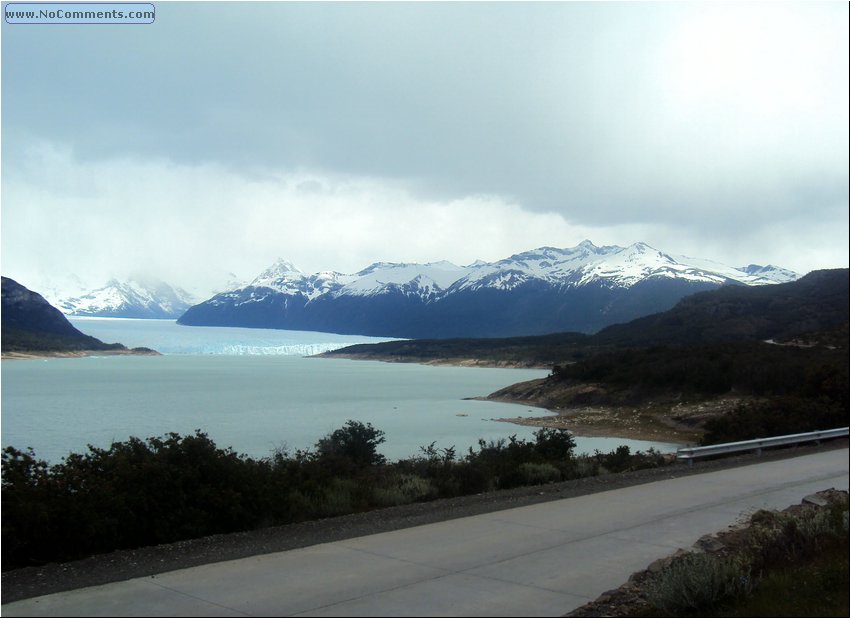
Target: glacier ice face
(167, 337)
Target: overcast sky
(226, 135)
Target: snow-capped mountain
(135, 298)
(284, 278)
(614, 266)
(544, 290)
(770, 274)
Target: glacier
(167, 337)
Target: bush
(777, 538)
(697, 581)
(622, 459)
(132, 494)
(774, 417)
(554, 444)
(169, 488)
(355, 442)
(505, 463)
(539, 474)
(403, 489)
(774, 542)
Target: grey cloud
(561, 107)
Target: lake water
(251, 390)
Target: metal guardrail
(691, 453)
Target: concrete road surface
(540, 560)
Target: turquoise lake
(254, 391)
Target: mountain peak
(283, 266)
(642, 247)
(756, 269)
(444, 264)
(274, 274)
(378, 266)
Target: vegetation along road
(543, 559)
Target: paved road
(540, 560)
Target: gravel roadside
(123, 565)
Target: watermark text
(79, 13)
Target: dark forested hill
(31, 324)
(816, 303)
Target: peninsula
(33, 328)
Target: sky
(226, 135)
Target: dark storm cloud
(715, 120)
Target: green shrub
(134, 493)
(403, 489)
(539, 474)
(355, 442)
(169, 488)
(774, 417)
(697, 581)
(775, 543)
(777, 538)
(816, 587)
(338, 498)
(584, 467)
(554, 444)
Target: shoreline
(600, 421)
(601, 429)
(588, 422)
(603, 422)
(76, 354)
(437, 362)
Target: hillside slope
(816, 303)
(31, 324)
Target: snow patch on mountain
(55, 288)
(609, 265)
(426, 279)
(769, 274)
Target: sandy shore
(77, 354)
(605, 422)
(438, 362)
(678, 423)
(608, 424)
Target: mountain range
(137, 297)
(812, 310)
(583, 288)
